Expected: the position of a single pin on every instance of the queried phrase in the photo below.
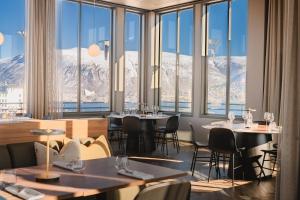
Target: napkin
(73, 166)
(24, 193)
(135, 174)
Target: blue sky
(12, 20)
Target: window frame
(228, 73)
(78, 109)
(177, 11)
(140, 57)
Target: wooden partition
(75, 128)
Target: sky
(12, 20)
(99, 27)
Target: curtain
(282, 90)
(289, 179)
(43, 94)
(273, 59)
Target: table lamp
(47, 176)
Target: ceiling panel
(149, 4)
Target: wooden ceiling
(149, 4)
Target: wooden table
(99, 176)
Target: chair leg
(274, 165)
(177, 142)
(262, 169)
(210, 165)
(166, 142)
(224, 162)
(233, 169)
(195, 159)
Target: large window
(176, 70)
(12, 26)
(86, 79)
(132, 60)
(226, 55)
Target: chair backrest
(177, 190)
(193, 132)
(172, 124)
(115, 121)
(131, 125)
(222, 140)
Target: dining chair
(132, 127)
(176, 190)
(115, 131)
(222, 141)
(163, 133)
(198, 144)
(269, 155)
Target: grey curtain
(282, 90)
(273, 59)
(42, 72)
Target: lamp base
(50, 177)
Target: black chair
(271, 153)
(222, 141)
(132, 127)
(170, 128)
(115, 131)
(197, 145)
(175, 190)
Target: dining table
(97, 177)
(148, 123)
(253, 139)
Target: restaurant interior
(149, 99)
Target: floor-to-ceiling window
(132, 60)
(176, 60)
(226, 54)
(86, 78)
(12, 29)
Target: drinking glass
(121, 162)
(266, 117)
(245, 117)
(231, 117)
(9, 177)
(271, 117)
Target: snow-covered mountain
(95, 75)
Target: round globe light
(1, 38)
(94, 50)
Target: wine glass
(231, 117)
(271, 117)
(266, 117)
(245, 117)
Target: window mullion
(79, 59)
(228, 58)
(177, 62)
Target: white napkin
(73, 166)
(135, 174)
(24, 193)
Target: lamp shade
(94, 50)
(1, 38)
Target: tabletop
(98, 176)
(141, 116)
(240, 128)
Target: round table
(148, 128)
(253, 139)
